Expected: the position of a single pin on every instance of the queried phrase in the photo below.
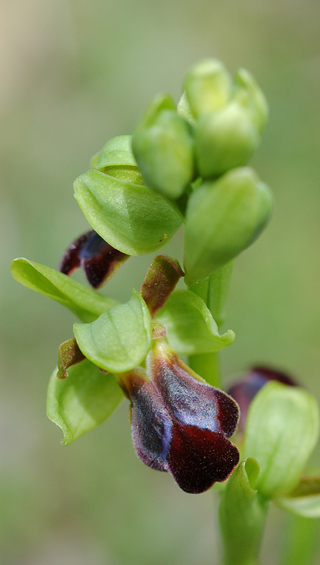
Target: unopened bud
(250, 96)
(225, 139)
(208, 87)
(163, 147)
(222, 219)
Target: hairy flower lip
(95, 256)
(180, 424)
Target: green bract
(222, 219)
(242, 515)
(163, 147)
(190, 326)
(119, 339)
(85, 303)
(117, 160)
(82, 401)
(130, 217)
(281, 432)
(208, 87)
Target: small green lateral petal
(132, 218)
(305, 499)
(281, 432)
(119, 339)
(85, 303)
(83, 401)
(190, 326)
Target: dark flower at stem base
(180, 424)
(95, 256)
(244, 390)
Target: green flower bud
(222, 219)
(225, 139)
(208, 87)
(281, 432)
(116, 160)
(250, 96)
(163, 147)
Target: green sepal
(117, 160)
(190, 326)
(208, 87)
(304, 500)
(83, 401)
(281, 432)
(163, 147)
(222, 219)
(119, 339)
(132, 218)
(242, 515)
(85, 303)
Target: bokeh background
(73, 74)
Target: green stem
(214, 292)
(301, 541)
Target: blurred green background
(74, 74)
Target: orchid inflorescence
(184, 164)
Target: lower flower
(180, 424)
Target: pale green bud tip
(159, 103)
(184, 109)
(163, 147)
(249, 94)
(208, 87)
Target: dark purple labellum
(181, 424)
(246, 388)
(96, 257)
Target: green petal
(83, 401)
(190, 326)
(281, 432)
(119, 339)
(130, 217)
(87, 304)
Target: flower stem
(214, 292)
